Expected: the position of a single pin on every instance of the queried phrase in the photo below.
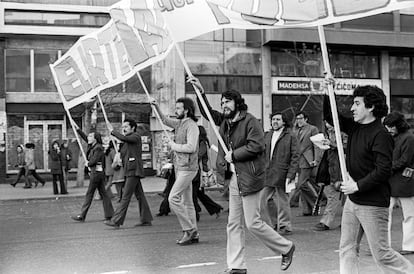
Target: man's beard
(180, 116)
(230, 115)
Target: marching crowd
(265, 174)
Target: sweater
(369, 159)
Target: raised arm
(217, 116)
(131, 138)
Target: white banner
(142, 32)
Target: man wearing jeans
(369, 162)
(244, 165)
(185, 148)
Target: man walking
(307, 162)
(402, 178)
(131, 152)
(244, 165)
(185, 160)
(369, 162)
(282, 156)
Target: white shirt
(275, 137)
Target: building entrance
(42, 134)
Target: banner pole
(106, 120)
(153, 107)
(72, 123)
(332, 100)
(200, 97)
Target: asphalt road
(38, 236)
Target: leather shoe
(13, 185)
(161, 214)
(320, 227)
(406, 252)
(236, 271)
(188, 237)
(78, 218)
(287, 258)
(285, 231)
(144, 224)
(110, 223)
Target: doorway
(42, 134)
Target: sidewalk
(7, 192)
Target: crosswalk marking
(197, 265)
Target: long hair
(203, 135)
(396, 119)
(108, 149)
(97, 136)
(189, 106)
(236, 96)
(373, 97)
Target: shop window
(366, 66)
(15, 137)
(399, 67)
(221, 83)
(17, 70)
(43, 77)
(342, 65)
(304, 62)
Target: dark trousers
(22, 172)
(165, 205)
(55, 177)
(35, 175)
(132, 186)
(97, 181)
(199, 194)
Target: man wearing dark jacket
(95, 162)
(402, 178)
(282, 158)
(369, 162)
(131, 152)
(244, 165)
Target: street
(38, 236)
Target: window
(399, 67)
(42, 75)
(17, 70)
(307, 62)
(242, 60)
(407, 23)
(204, 57)
(49, 18)
(382, 21)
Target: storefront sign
(297, 85)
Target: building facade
(275, 70)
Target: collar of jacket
(241, 116)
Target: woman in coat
(56, 168)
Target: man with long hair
(369, 163)
(282, 156)
(185, 160)
(244, 165)
(402, 178)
